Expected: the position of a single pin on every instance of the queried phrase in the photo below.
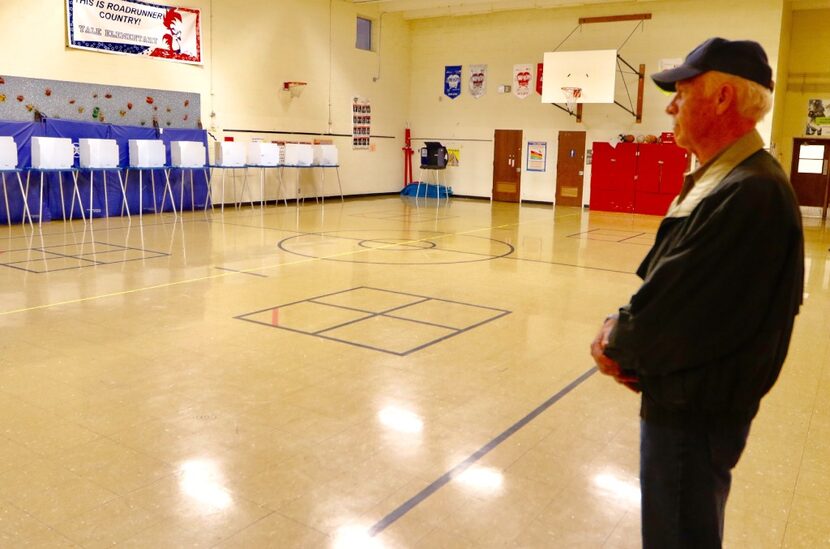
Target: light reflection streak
(200, 482)
(485, 479)
(401, 420)
(355, 537)
(621, 489)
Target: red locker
(675, 164)
(612, 177)
(639, 178)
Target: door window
(811, 159)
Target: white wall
(250, 47)
(503, 39)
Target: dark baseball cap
(743, 58)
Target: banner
(522, 78)
(540, 68)
(135, 28)
(452, 81)
(478, 80)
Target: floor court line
(248, 271)
(447, 477)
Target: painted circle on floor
(396, 247)
(397, 244)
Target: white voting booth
(8, 153)
(298, 154)
(188, 155)
(148, 155)
(325, 155)
(8, 166)
(53, 154)
(230, 154)
(100, 155)
(264, 154)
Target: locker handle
(824, 168)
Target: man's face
(693, 112)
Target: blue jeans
(685, 475)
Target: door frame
(580, 193)
(512, 160)
(797, 142)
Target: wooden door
(570, 166)
(809, 172)
(507, 165)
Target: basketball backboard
(594, 71)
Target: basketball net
(572, 94)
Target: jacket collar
(703, 180)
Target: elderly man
(706, 334)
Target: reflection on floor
(397, 405)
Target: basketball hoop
(572, 94)
(294, 88)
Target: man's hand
(607, 365)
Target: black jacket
(708, 331)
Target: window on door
(810, 158)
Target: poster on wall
(452, 81)
(453, 157)
(522, 78)
(540, 68)
(818, 117)
(536, 156)
(361, 123)
(131, 27)
(478, 80)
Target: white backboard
(594, 71)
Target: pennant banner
(478, 80)
(540, 68)
(135, 28)
(452, 81)
(522, 78)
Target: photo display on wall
(361, 123)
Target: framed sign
(536, 156)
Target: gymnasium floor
(374, 373)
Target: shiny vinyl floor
(374, 373)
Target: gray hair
(754, 101)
